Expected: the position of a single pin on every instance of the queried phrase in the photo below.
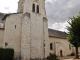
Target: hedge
(6, 54)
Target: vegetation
(52, 57)
(72, 54)
(74, 32)
(6, 54)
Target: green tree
(74, 32)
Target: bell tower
(20, 5)
(35, 41)
(37, 6)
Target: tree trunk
(77, 52)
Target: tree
(74, 32)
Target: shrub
(72, 54)
(1, 53)
(6, 54)
(52, 57)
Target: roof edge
(10, 14)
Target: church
(27, 32)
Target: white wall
(12, 33)
(60, 44)
(1, 37)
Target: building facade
(59, 44)
(27, 32)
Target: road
(68, 58)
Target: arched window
(37, 8)
(33, 7)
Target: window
(44, 45)
(69, 46)
(51, 46)
(33, 7)
(6, 44)
(15, 26)
(50, 53)
(37, 8)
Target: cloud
(59, 11)
(60, 26)
(8, 6)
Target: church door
(61, 54)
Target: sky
(58, 11)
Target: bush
(52, 57)
(6, 54)
(1, 53)
(72, 54)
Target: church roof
(10, 14)
(55, 33)
(1, 16)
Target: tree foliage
(74, 31)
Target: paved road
(68, 59)
(71, 59)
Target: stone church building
(27, 32)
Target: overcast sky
(58, 11)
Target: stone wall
(1, 37)
(27, 6)
(79, 50)
(20, 5)
(34, 30)
(60, 44)
(46, 37)
(12, 33)
(33, 36)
